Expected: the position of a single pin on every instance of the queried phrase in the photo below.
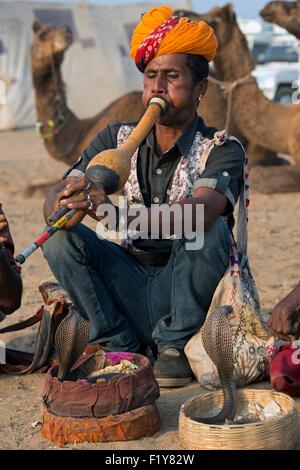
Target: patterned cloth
(159, 33)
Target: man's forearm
(294, 297)
(10, 287)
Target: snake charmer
(154, 288)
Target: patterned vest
(186, 175)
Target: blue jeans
(128, 303)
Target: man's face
(170, 77)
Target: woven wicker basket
(277, 433)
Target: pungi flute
(109, 168)
(21, 257)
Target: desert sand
(274, 258)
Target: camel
(267, 124)
(284, 14)
(47, 52)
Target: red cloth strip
(149, 47)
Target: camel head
(223, 21)
(284, 14)
(49, 45)
(230, 37)
(220, 19)
(279, 11)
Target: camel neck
(233, 60)
(256, 116)
(51, 108)
(50, 94)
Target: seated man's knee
(55, 243)
(61, 241)
(216, 237)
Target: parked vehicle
(276, 55)
(278, 72)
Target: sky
(243, 8)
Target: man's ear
(203, 85)
(36, 26)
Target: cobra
(217, 341)
(71, 338)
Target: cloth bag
(110, 396)
(285, 370)
(253, 343)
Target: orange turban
(159, 32)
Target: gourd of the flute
(111, 167)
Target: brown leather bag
(117, 395)
(55, 308)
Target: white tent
(97, 68)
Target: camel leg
(280, 179)
(260, 156)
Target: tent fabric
(97, 68)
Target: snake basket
(273, 434)
(133, 425)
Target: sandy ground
(274, 257)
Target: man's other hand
(285, 318)
(3, 228)
(76, 194)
